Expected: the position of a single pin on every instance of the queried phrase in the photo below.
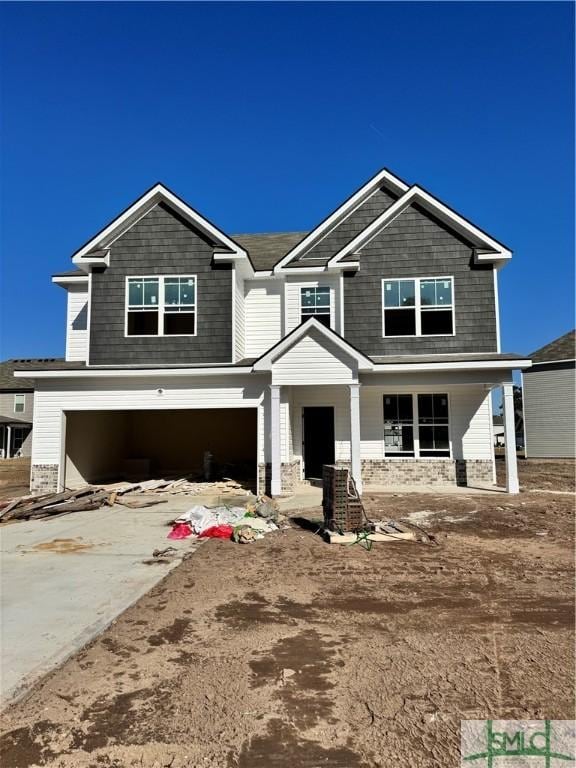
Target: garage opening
(109, 446)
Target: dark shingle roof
(451, 358)
(266, 249)
(563, 348)
(11, 384)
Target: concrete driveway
(64, 580)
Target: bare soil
(14, 478)
(292, 653)
(541, 474)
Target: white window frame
(416, 427)
(418, 307)
(399, 454)
(330, 305)
(19, 399)
(160, 307)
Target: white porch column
(512, 485)
(8, 440)
(276, 453)
(355, 463)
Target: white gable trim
(157, 194)
(267, 360)
(417, 195)
(384, 176)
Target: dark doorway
(318, 440)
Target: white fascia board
(71, 279)
(417, 195)
(265, 362)
(553, 362)
(158, 193)
(90, 373)
(505, 365)
(383, 176)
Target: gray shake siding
(416, 245)
(161, 243)
(351, 226)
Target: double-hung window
(416, 426)
(433, 425)
(315, 302)
(398, 425)
(161, 306)
(418, 307)
(19, 403)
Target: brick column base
(44, 478)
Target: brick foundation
(396, 472)
(289, 474)
(43, 478)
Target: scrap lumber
(138, 503)
(89, 497)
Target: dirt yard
(290, 653)
(14, 478)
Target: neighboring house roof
(12, 420)
(563, 348)
(266, 248)
(8, 382)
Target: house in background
(17, 407)
(550, 400)
(372, 341)
(498, 431)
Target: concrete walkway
(65, 580)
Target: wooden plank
(351, 538)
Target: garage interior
(110, 446)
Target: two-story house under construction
(372, 341)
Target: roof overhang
(103, 373)
(383, 178)
(97, 250)
(267, 360)
(487, 250)
(66, 280)
(460, 365)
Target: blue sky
(265, 116)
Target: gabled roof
(563, 348)
(267, 359)
(487, 248)
(96, 250)
(382, 178)
(8, 382)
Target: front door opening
(318, 443)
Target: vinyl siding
(239, 318)
(292, 290)
(54, 398)
(7, 406)
(549, 412)
(263, 315)
(469, 416)
(77, 322)
(416, 245)
(314, 360)
(351, 226)
(161, 243)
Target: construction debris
(223, 522)
(183, 485)
(49, 505)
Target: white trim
(355, 436)
(20, 398)
(417, 195)
(497, 310)
(554, 362)
(491, 417)
(158, 193)
(342, 212)
(275, 441)
(457, 366)
(89, 323)
(233, 357)
(86, 373)
(401, 456)
(512, 484)
(418, 307)
(70, 279)
(265, 362)
(341, 286)
(160, 306)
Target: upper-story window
(19, 403)
(422, 306)
(161, 306)
(315, 302)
